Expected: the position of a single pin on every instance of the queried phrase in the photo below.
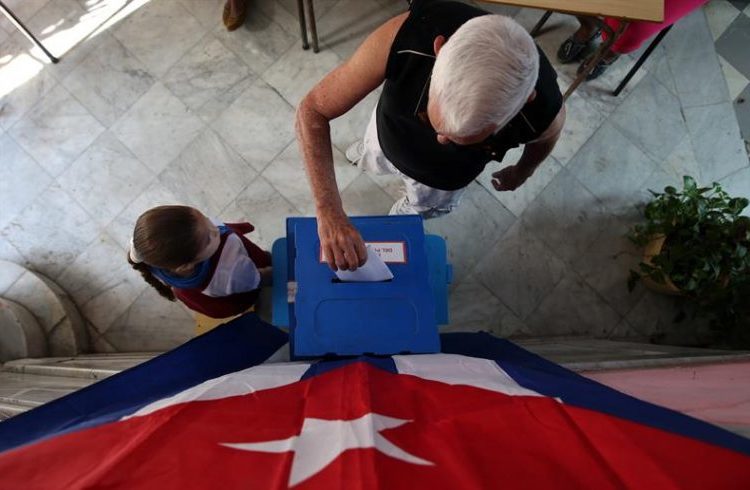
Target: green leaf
(688, 183)
(706, 253)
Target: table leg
(598, 55)
(313, 25)
(21, 27)
(641, 60)
(302, 23)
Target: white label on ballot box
(389, 252)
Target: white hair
(483, 75)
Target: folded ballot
(374, 270)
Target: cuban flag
(483, 414)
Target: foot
(235, 12)
(355, 152)
(577, 46)
(600, 67)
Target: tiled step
(86, 367)
(53, 309)
(20, 392)
(28, 383)
(19, 402)
(589, 354)
(8, 410)
(20, 333)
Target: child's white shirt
(235, 271)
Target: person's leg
(638, 32)
(418, 198)
(426, 201)
(579, 43)
(586, 30)
(367, 154)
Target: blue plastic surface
(329, 317)
(347, 318)
(440, 273)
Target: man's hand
(341, 243)
(509, 178)
(534, 153)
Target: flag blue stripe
(320, 367)
(239, 344)
(545, 377)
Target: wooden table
(651, 10)
(625, 10)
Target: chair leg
(21, 27)
(641, 60)
(302, 23)
(313, 25)
(541, 23)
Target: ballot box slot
(336, 280)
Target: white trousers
(418, 198)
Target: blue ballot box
(326, 316)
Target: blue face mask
(195, 280)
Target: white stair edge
(8, 410)
(9, 400)
(95, 356)
(617, 365)
(61, 371)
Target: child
(209, 266)
(581, 42)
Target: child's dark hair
(165, 237)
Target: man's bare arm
(534, 153)
(333, 96)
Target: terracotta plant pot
(652, 249)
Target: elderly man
(461, 88)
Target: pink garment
(639, 31)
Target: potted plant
(696, 246)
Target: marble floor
(154, 102)
(729, 22)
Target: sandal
(233, 22)
(600, 67)
(571, 50)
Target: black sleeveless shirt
(404, 132)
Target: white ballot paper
(374, 270)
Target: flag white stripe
(454, 369)
(256, 378)
(451, 369)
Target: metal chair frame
(22, 27)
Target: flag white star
(322, 441)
